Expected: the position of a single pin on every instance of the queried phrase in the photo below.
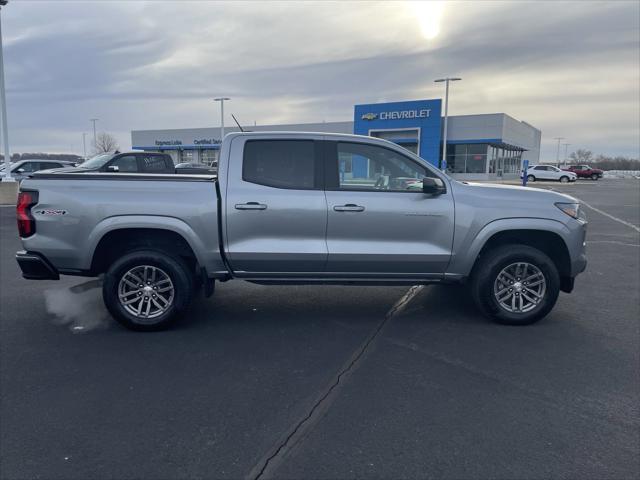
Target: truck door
(276, 210)
(379, 220)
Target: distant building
(484, 146)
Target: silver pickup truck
(292, 208)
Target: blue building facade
(416, 125)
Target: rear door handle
(251, 206)
(349, 207)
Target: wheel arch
(542, 234)
(117, 235)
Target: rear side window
(154, 164)
(47, 165)
(280, 163)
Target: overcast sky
(571, 69)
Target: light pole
(221, 100)
(558, 152)
(84, 145)
(566, 146)
(95, 138)
(3, 99)
(443, 162)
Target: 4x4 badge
(51, 212)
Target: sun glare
(429, 15)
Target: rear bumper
(36, 267)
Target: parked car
(549, 172)
(585, 171)
(195, 168)
(128, 162)
(279, 212)
(22, 168)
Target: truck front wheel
(146, 290)
(515, 284)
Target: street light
(443, 162)
(84, 146)
(558, 152)
(221, 100)
(3, 117)
(95, 138)
(566, 146)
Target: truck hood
(515, 194)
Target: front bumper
(36, 267)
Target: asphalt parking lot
(330, 382)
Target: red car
(585, 171)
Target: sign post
(525, 167)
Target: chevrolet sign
(405, 114)
(398, 115)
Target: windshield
(97, 161)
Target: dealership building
(479, 147)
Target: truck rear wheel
(515, 284)
(146, 290)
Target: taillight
(26, 222)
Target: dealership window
(186, 156)
(209, 157)
(467, 158)
(280, 163)
(379, 168)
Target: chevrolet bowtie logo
(369, 116)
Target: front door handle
(349, 207)
(251, 206)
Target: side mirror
(433, 186)
(113, 168)
(20, 170)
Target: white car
(549, 172)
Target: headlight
(573, 210)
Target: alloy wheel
(146, 292)
(519, 287)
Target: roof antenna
(237, 123)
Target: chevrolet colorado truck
(585, 171)
(300, 208)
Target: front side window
(377, 168)
(126, 163)
(280, 163)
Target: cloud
(571, 69)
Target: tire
(485, 283)
(165, 294)
(594, 177)
(564, 179)
(531, 178)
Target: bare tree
(581, 156)
(105, 142)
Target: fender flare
(158, 222)
(462, 264)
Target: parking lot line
(601, 212)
